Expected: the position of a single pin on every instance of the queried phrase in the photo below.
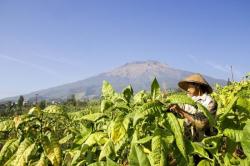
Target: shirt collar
(202, 97)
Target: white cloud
(226, 69)
(193, 58)
(33, 65)
(222, 68)
(61, 60)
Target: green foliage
(137, 157)
(8, 150)
(245, 141)
(107, 150)
(155, 90)
(107, 90)
(6, 125)
(42, 104)
(180, 99)
(129, 129)
(25, 150)
(20, 101)
(92, 117)
(179, 136)
(55, 109)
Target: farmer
(196, 122)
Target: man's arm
(198, 120)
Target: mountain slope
(138, 74)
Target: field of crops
(130, 129)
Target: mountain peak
(148, 62)
(134, 69)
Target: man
(198, 89)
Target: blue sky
(45, 43)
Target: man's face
(192, 90)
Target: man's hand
(175, 108)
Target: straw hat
(198, 79)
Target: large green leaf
(228, 109)
(176, 129)
(180, 99)
(106, 104)
(66, 139)
(204, 163)
(118, 131)
(245, 139)
(119, 146)
(7, 125)
(99, 138)
(121, 141)
(75, 115)
(179, 159)
(211, 143)
(52, 151)
(83, 134)
(23, 158)
(107, 89)
(140, 97)
(244, 162)
(107, 150)
(152, 108)
(229, 160)
(99, 163)
(35, 111)
(72, 157)
(155, 106)
(243, 104)
(196, 148)
(9, 148)
(233, 134)
(55, 109)
(137, 157)
(128, 93)
(207, 114)
(42, 161)
(92, 117)
(122, 106)
(118, 128)
(139, 115)
(144, 140)
(111, 162)
(23, 120)
(158, 154)
(10, 162)
(155, 90)
(23, 152)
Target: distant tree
(10, 108)
(229, 82)
(20, 104)
(20, 101)
(83, 103)
(72, 100)
(42, 104)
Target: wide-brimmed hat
(198, 79)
